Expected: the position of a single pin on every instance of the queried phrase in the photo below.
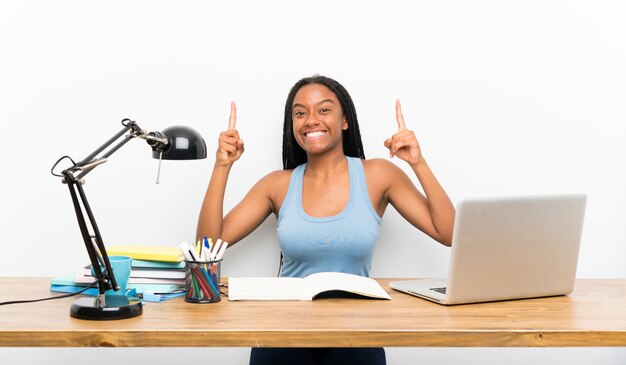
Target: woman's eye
(324, 110)
(298, 113)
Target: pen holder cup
(202, 281)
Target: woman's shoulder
(380, 165)
(275, 186)
(276, 178)
(382, 171)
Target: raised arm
(249, 213)
(433, 213)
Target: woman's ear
(345, 124)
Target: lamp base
(116, 307)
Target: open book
(303, 288)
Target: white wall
(505, 98)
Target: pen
(195, 292)
(193, 256)
(202, 251)
(206, 250)
(209, 281)
(185, 248)
(215, 249)
(220, 253)
(204, 285)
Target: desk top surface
(593, 315)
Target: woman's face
(318, 119)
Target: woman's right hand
(230, 146)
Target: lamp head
(183, 143)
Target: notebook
(508, 248)
(153, 253)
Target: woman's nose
(311, 121)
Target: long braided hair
(293, 154)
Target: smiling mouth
(314, 134)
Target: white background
(506, 98)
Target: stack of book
(157, 273)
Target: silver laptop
(508, 248)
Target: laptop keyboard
(439, 290)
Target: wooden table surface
(593, 315)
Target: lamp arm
(127, 123)
(96, 250)
(94, 244)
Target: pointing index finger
(232, 119)
(399, 117)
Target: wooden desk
(594, 315)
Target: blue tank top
(340, 243)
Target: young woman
(328, 199)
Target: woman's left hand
(403, 143)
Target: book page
(268, 289)
(325, 281)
